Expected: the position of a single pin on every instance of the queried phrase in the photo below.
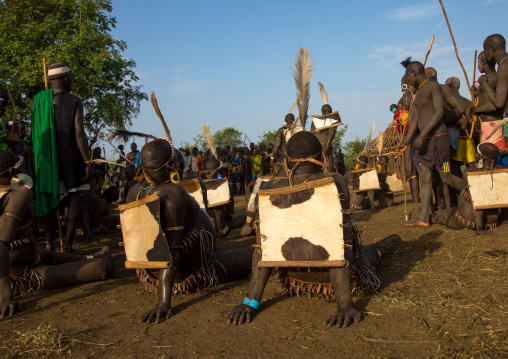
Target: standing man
(134, 156)
(432, 144)
(62, 162)
(4, 101)
(192, 167)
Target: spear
(13, 105)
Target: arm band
(251, 303)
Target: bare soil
(444, 294)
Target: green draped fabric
(47, 191)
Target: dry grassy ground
(444, 294)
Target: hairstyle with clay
(303, 144)
(326, 109)
(156, 153)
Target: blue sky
(229, 63)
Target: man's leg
(49, 227)
(72, 220)
(426, 197)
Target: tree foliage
(351, 149)
(268, 137)
(228, 136)
(77, 33)
(339, 135)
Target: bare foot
(418, 223)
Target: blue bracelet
(251, 303)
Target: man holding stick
(432, 145)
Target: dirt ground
(444, 294)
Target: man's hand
(503, 151)
(418, 142)
(240, 314)
(9, 307)
(87, 173)
(402, 147)
(159, 313)
(482, 79)
(344, 317)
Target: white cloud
(414, 12)
(182, 86)
(489, 2)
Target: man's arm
(497, 98)
(278, 143)
(329, 140)
(413, 126)
(81, 139)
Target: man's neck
(500, 56)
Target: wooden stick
(456, 51)
(474, 69)
(13, 105)
(159, 113)
(428, 52)
(45, 75)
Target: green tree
(339, 135)
(77, 33)
(268, 137)
(228, 136)
(351, 149)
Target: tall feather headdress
(209, 139)
(302, 75)
(124, 135)
(159, 113)
(293, 107)
(324, 95)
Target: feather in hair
(302, 75)
(293, 107)
(405, 63)
(324, 95)
(372, 127)
(159, 113)
(124, 135)
(380, 143)
(209, 139)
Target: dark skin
(131, 156)
(60, 85)
(405, 103)
(280, 141)
(326, 137)
(339, 277)
(428, 106)
(495, 50)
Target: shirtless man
(279, 150)
(433, 141)
(326, 137)
(188, 230)
(134, 155)
(21, 258)
(302, 146)
(464, 215)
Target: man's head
(492, 45)
(4, 101)
(363, 161)
(415, 72)
(60, 76)
(251, 145)
(382, 160)
(262, 147)
(134, 147)
(157, 155)
(302, 145)
(130, 172)
(10, 165)
(326, 109)
(120, 147)
(195, 151)
(187, 152)
(96, 152)
(431, 73)
(234, 150)
(488, 153)
(289, 119)
(227, 148)
(453, 82)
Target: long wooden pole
(456, 51)
(428, 51)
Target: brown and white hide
(364, 180)
(489, 189)
(217, 192)
(193, 187)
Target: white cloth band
(58, 71)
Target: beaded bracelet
(251, 303)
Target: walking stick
(16, 117)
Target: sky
(229, 63)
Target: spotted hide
(193, 187)
(489, 189)
(364, 180)
(217, 192)
(251, 206)
(301, 226)
(327, 121)
(145, 243)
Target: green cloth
(257, 162)
(47, 192)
